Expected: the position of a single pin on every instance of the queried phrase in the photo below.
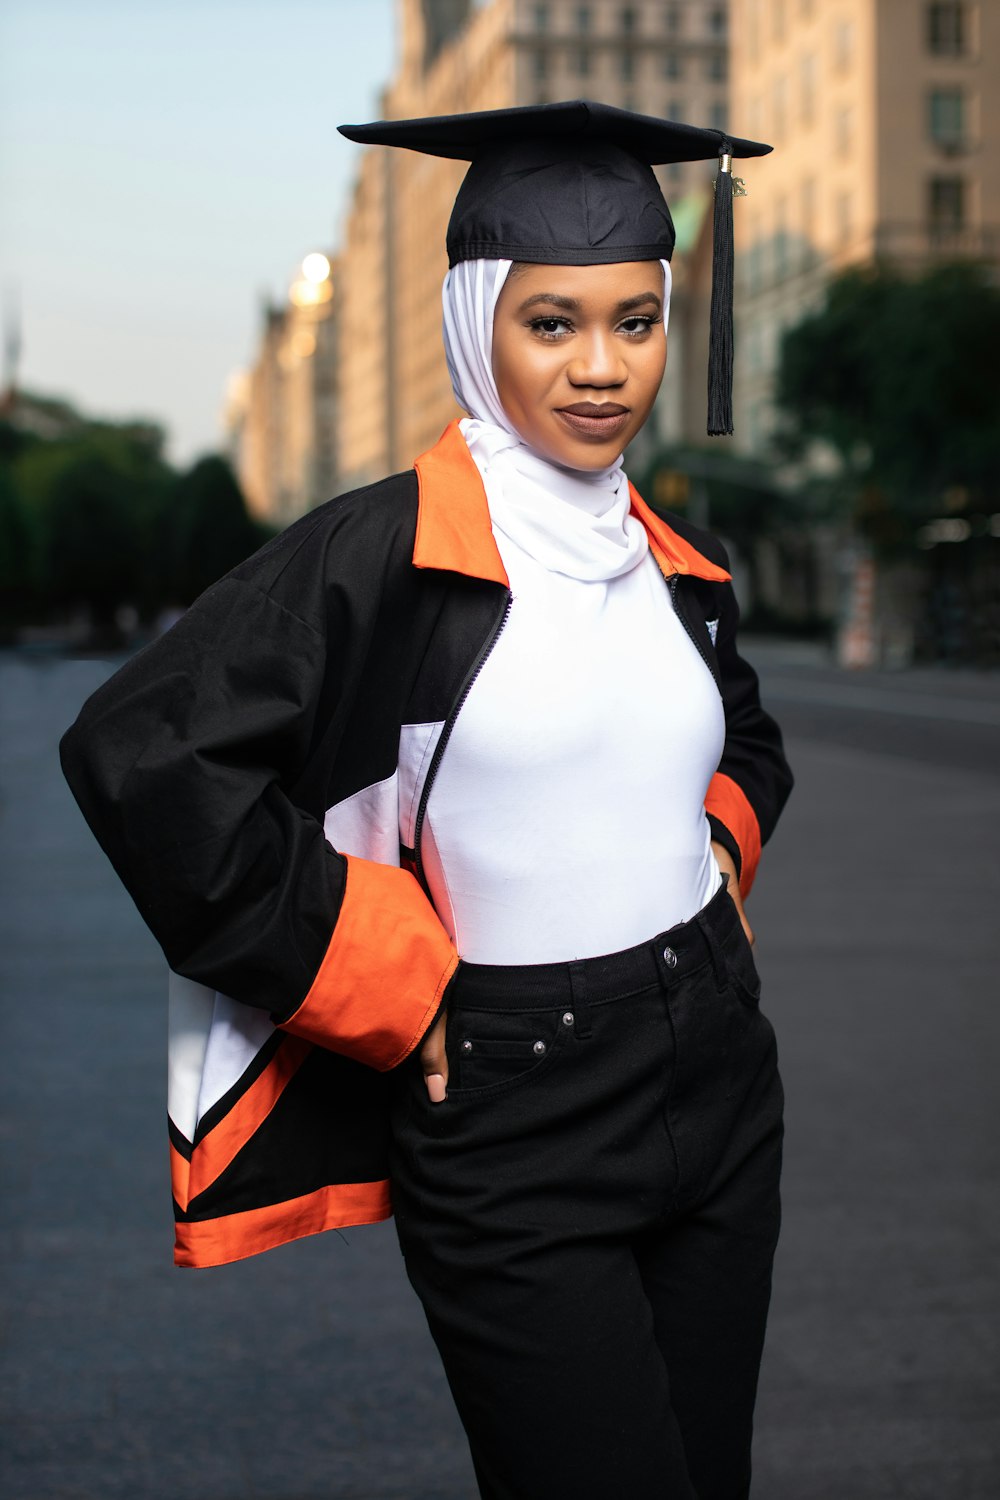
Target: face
(578, 356)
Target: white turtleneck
(567, 816)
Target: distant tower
(11, 348)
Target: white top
(567, 817)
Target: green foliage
(208, 527)
(901, 377)
(94, 518)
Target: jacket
(258, 778)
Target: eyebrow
(572, 304)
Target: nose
(597, 362)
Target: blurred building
(886, 129)
(668, 60)
(281, 414)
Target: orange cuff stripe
(216, 1242)
(381, 981)
(728, 802)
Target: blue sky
(162, 166)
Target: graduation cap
(572, 184)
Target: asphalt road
(307, 1372)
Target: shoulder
(363, 533)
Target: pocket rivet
(568, 1018)
(538, 1048)
(466, 1046)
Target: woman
(439, 807)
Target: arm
(184, 765)
(752, 783)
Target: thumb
(434, 1062)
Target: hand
(727, 865)
(434, 1062)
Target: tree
(207, 527)
(900, 377)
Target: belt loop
(715, 952)
(579, 985)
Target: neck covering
(573, 521)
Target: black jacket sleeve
(187, 764)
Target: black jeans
(590, 1217)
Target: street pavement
(307, 1373)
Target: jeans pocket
(490, 1051)
(744, 980)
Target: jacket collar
(453, 521)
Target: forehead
(603, 283)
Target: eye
(638, 326)
(550, 328)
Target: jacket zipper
(672, 583)
(446, 730)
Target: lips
(589, 419)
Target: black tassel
(720, 342)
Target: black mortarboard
(572, 184)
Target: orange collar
(453, 521)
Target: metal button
(466, 1046)
(568, 1018)
(538, 1048)
(670, 958)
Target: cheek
(521, 377)
(652, 369)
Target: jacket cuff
(384, 974)
(734, 824)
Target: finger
(434, 1061)
(737, 900)
(743, 918)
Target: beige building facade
(885, 119)
(281, 414)
(669, 60)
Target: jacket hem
(217, 1242)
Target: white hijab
(573, 521)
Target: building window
(843, 44)
(628, 20)
(583, 19)
(946, 204)
(717, 21)
(540, 66)
(779, 100)
(946, 116)
(673, 19)
(807, 208)
(807, 89)
(541, 18)
(844, 131)
(715, 66)
(778, 17)
(672, 66)
(675, 171)
(947, 30)
(627, 67)
(717, 114)
(583, 62)
(675, 110)
(844, 216)
(780, 240)
(753, 29)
